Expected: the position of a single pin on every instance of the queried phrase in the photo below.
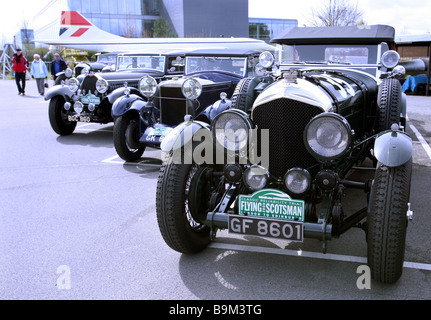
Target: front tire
(243, 96)
(58, 117)
(179, 230)
(126, 138)
(389, 102)
(387, 222)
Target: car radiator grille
(89, 84)
(286, 120)
(172, 105)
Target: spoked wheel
(177, 226)
(126, 138)
(58, 117)
(387, 221)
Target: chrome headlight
(147, 86)
(297, 180)
(256, 177)
(86, 70)
(327, 136)
(73, 84)
(68, 73)
(390, 59)
(78, 107)
(231, 129)
(191, 88)
(266, 59)
(102, 85)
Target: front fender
(213, 110)
(125, 103)
(119, 92)
(393, 149)
(182, 134)
(59, 90)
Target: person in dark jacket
(57, 65)
(19, 65)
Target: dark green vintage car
(277, 162)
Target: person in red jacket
(19, 65)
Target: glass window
(104, 24)
(122, 7)
(227, 64)
(347, 55)
(85, 8)
(112, 6)
(95, 6)
(355, 55)
(75, 5)
(114, 26)
(134, 7)
(141, 62)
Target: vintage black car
(207, 74)
(105, 62)
(90, 99)
(278, 161)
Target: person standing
(57, 65)
(19, 65)
(39, 71)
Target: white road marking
(420, 138)
(84, 125)
(92, 130)
(308, 254)
(111, 160)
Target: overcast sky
(407, 17)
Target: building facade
(266, 29)
(181, 18)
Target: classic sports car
(91, 99)
(277, 162)
(207, 74)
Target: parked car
(334, 101)
(142, 122)
(105, 63)
(90, 99)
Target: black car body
(90, 98)
(288, 148)
(145, 121)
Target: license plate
(271, 228)
(160, 131)
(90, 98)
(79, 118)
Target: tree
(129, 28)
(162, 29)
(337, 13)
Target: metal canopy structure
(5, 59)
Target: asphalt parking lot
(77, 222)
